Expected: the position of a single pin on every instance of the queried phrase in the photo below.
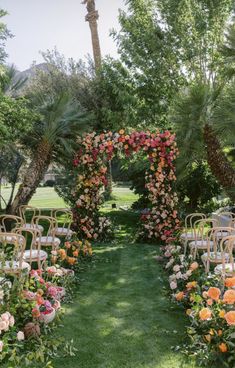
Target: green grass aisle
(121, 317)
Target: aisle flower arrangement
(90, 166)
(209, 303)
(31, 310)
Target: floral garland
(90, 164)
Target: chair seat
(10, 239)
(8, 265)
(201, 244)
(33, 226)
(187, 236)
(229, 269)
(35, 255)
(63, 231)
(214, 257)
(48, 241)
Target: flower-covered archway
(90, 165)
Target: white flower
(173, 285)
(176, 268)
(11, 321)
(172, 277)
(20, 336)
(178, 275)
(189, 273)
(1, 345)
(1, 294)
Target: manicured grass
(122, 196)
(122, 316)
(44, 197)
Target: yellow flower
(222, 313)
(121, 131)
(208, 338)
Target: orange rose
(214, 293)
(230, 318)
(179, 296)
(39, 300)
(222, 313)
(230, 282)
(75, 253)
(71, 260)
(193, 266)
(229, 297)
(223, 347)
(220, 332)
(205, 314)
(62, 254)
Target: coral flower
(229, 297)
(214, 293)
(75, 253)
(209, 302)
(193, 266)
(35, 313)
(179, 296)
(230, 318)
(230, 282)
(223, 347)
(71, 260)
(205, 314)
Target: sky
(39, 25)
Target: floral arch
(90, 165)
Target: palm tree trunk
(92, 17)
(34, 174)
(218, 162)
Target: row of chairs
(215, 242)
(17, 234)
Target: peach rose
(229, 297)
(230, 318)
(205, 294)
(179, 296)
(209, 302)
(193, 266)
(223, 347)
(229, 282)
(214, 293)
(205, 314)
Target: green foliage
(197, 187)
(4, 34)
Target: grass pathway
(121, 317)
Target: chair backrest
(30, 236)
(202, 228)
(49, 224)
(12, 248)
(10, 222)
(227, 245)
(192, 218)
(216, 235)
(64, 217)
(33, 211)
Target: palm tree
(92, 17)
(52, 136)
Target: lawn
(47, 197)
(122, 316)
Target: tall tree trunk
(92, 17)
(218, 162)
(34, 174)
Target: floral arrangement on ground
(30, 308)
(209, 302)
